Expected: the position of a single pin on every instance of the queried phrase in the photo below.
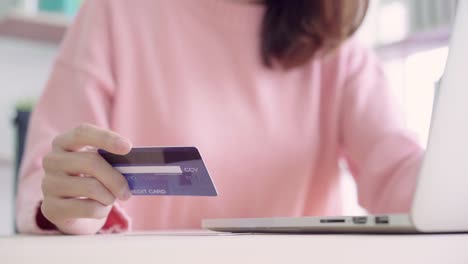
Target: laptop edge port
(382, 220)
(332, 220)
(359, 219)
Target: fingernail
(122, 144)
(125, 194)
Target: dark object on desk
(21, 123)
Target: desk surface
(194, 247)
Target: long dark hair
(294, 30)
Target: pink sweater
(185, 73)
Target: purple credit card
(163, 171)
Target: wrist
(81, 226)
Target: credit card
(163, 171)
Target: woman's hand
(79, 186)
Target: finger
(57, 210)
(91, 163)
(90, 135)
(65, 186)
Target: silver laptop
(440, 203)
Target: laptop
(440, 203)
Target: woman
(273, 94)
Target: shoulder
(117, 5)
(355, 56)
(124, 9)
(351, 52)
(99, 14)
(352, 60)
(99, 26)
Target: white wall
(24, 68)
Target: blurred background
(410, 36)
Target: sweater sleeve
(80, 89)
(382, 155)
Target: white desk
(361, 249)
